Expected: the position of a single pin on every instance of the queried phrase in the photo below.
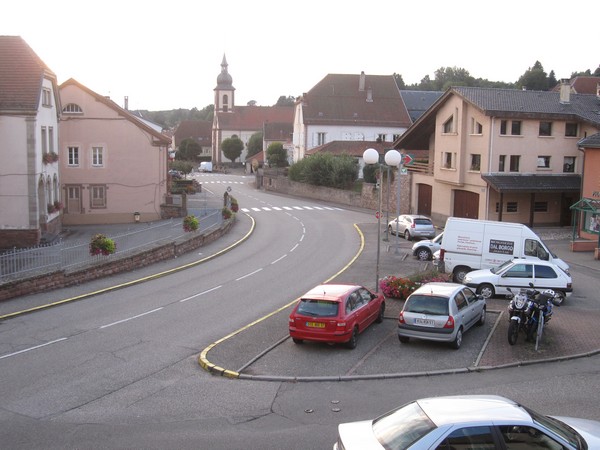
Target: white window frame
(97, 156)
(73, 159)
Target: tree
(277, 155)
(399, 81)
(255, 144)
(534, 78)
(189, 150)
(184, 167)
(286, 101)
(232, 148)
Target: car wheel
(403, 339)
(297, 341)
(423, 254)
(458, 339)
(407, 235)
(460, 273)
(390, 229)
(486, 290)
(381, 313)
(559, 298)
(353, 339)
(481, 320)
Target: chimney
(565, 91)
(126, 103)
(361, 82)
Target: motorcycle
(540, 315)
(519, 313)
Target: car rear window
(427, 304)
(401, 428)
(423, 222)
(317, 308)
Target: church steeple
(224, 92)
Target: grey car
(412, 226)
(440, 312)
(468, 422)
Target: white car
(517, 274)
(412, 226)
(468, 422)
(424, 250)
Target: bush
(100, 244)
(190, 223)
(325, 169)
(226, 212)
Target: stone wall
(115, 264)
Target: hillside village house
(348, 107)
(30, 199)
(241, 121)
(112, 163)
(501, 154)
(198, 130)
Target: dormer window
(46, 97)
(72, 108)
(449, 125)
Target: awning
(527, 183)
(587, 204)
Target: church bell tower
(224, 92)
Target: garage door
(466, 204)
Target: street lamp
(371, 156)
(394, 158)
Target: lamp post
(371, 156)
(394, 158)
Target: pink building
(112, 164)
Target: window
(543, 162)
(545, 129)
(449, 125)
(381, 137)
(321, 138)
(72, 108)
(501, 163)
(571, 129)
(98, 196)
(448, 159)
(480, 438)
(475, 163)
(534, 248)
(51, 139)
(512, 207)
(46, 97)
(544, 272)
(520, 271)
(461, 301)
(73, 156)
(44, 141)
(514, 163)
(523, 436)
(569, 164)
(540, 206)
(97, 157)
(395, 137)
(515, 127)
(476, 127)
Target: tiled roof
(530, 104)
(417, 102)
(200, 130)
(338, 100)
(160, 138)
(259, 157)
(353, 148)
(582, 85)
(520, 183)
(248, 118)
(275, 131)
(592, 141)
(21, 75)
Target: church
(241, 121)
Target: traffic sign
(377, 215)
(407, 159)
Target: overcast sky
(167, 54)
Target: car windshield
(560, 428)
(317, 308)
(501, 266)
(427, 304)
(402, 427)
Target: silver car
(412, 226)
(424, 250)
(440, 312)
(468, 422)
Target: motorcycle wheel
(513, 332)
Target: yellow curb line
(137, 281)
(214, 369)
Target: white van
(205, 166)
(471, 244)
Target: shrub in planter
(226, 212)
(234, 205)
(397, 287)
(190, 223)
(51, 208)
(58, 205)
(102, 245)
(49, 158)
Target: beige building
(30, 199)
(112, 163)
(501, 154)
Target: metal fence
(65, 254)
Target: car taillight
(449, 323)
(569, 285)
(413, 225)
(291, 320)
(442, 253)
(401, 318)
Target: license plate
(425, 322)
(315, 324)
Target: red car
(335, 313)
